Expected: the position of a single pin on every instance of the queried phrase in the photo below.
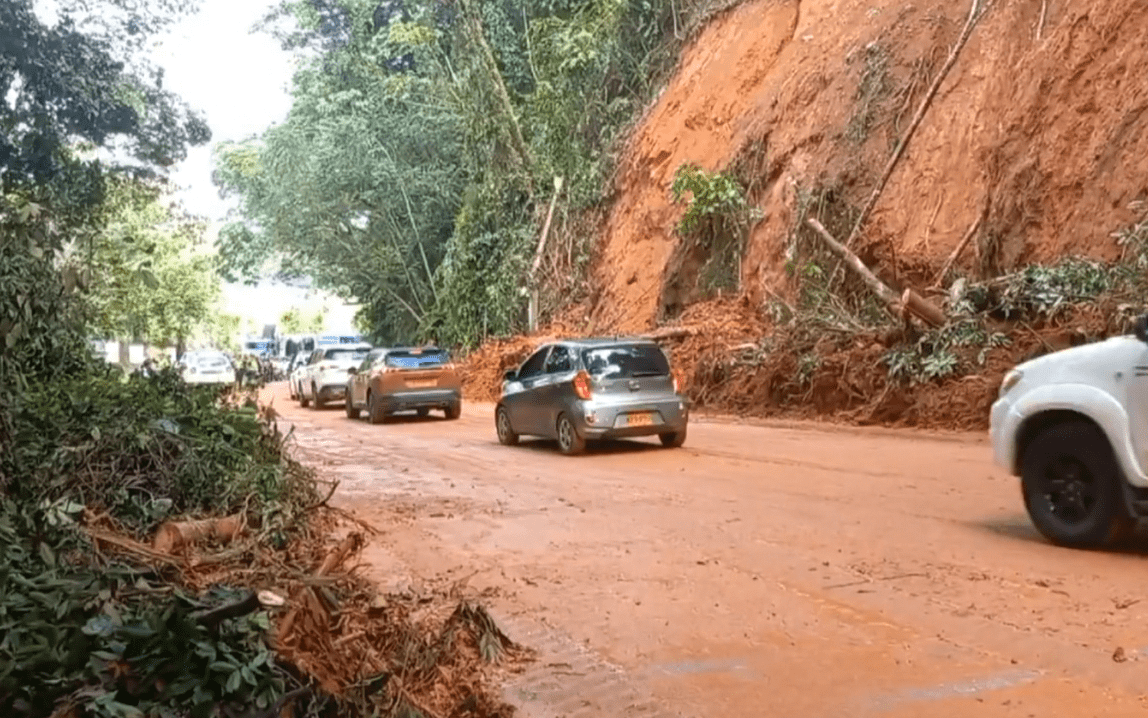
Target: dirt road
(758, 571)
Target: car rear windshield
(625, 361)
(417, 360)
(216, 360)
(343, 354)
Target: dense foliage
(82, 249)
(420, 154)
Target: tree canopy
(72, 84)
(414, 168)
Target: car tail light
(678, 383)
(582, 385)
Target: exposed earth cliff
(1035, 148)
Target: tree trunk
(910, 300)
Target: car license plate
(421, 383)
(641, 418)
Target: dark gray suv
(585, 389)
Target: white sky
(239, 79)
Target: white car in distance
(207, 367)
(1073, 425)
(324, 377)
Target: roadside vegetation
(426, 143)
(161, 552)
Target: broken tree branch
(972, 231)
(912, 301)
(974, 16)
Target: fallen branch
(896, 305)
(974, 16)
(334, 485)
(959, 248)
(133, 547)
(306, 595)
(1043, 15)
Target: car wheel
(316, 404)
(303, 400)
(454, 410)
(506, 435)
(375, 410)
(569, 442)
(422, 413)
(352, 411)
(1070, 482)
(673, 439)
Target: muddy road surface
(757, 571)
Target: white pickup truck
(1073, 425)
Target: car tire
(303, 400)
(316, 404)
(349, 406)
(454, 410)
(569, 440)
(422, 413)
(375, 412)
(506, 435)
(1071, 487)
(673, 439)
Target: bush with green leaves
(111, 641)
(143, 449)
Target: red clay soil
(734, 361)
(1043, 122)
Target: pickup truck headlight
(1010, 380)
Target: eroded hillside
(1040, 124)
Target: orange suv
(393, 380)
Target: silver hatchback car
(585, 389)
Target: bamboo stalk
(974, 16)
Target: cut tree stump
(909, 300)
(176, 536)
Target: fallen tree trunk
(910, 300)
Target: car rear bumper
(331, 392)
(610, 421)
(421, 399)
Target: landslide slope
(1041, 124)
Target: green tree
(150, 278)
(405, 176)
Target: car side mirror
(510, 375)
(1140, 327)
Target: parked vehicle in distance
(207, 367)
(1073, 425)
(580, 390)
(404, 379)
(295, 372)
(324, 377)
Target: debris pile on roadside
(166, 555)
